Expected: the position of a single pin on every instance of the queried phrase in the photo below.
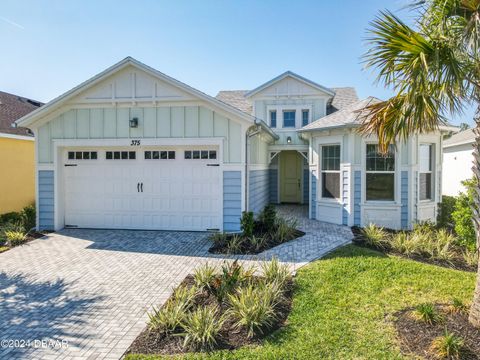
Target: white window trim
(320, 177)
(365, 172)
(432, 173)
(298, 115)
(270, 118)
(309, 118)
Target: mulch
(156, 342)
(457, 263)
(416, 337)
(30, 236)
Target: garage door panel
(177, 194)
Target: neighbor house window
(305, 117)
(380, 174)
(331, 171)
(289, 118)
(273, 118)
(425, 162)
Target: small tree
(463, 213)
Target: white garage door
(150, 188)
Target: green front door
(290, 177)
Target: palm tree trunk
(474, 317)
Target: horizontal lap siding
(305, 186)
(314, 196)
(46, 200)
(258, 190)
(232, 200)
(273, 185)
(345, 186)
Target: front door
(290, 177)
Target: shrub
(375, 236)
(274, 272)
(202, 328)
(29, 218)
(219, 238)
(11, 217)
(247, 223)
(462, 216)
(403, 243)
(427, 313)
(457, 306)
(470, 257)
(253, 306)
(445, 210)
(230, 277)
(204, 276)
(234, 244)
(268, 217)
(285, 229)
(258, 242)
(448, 346)
(169, 318)
(438, 245)
(424, 227)
(13, 234)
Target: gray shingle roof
(344, 96)
(463, 137)
(349, 115)
(236, 98)
(13, 107)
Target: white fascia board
(34, 116)
(17, 137)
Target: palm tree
(433, 67)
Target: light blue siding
(357, 196)
(415, 196)
(305, 186)
(258, 196)
(314, 196)
(45, 200)
(404, 198)
(273, 185)
(345, 197)
(232, 200)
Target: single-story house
(133, 148)
(457, 161)
(17, 154)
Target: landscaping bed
(216, 309)
(449, 331)
(425, 244)
(257, 235)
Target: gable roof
(12, 108)
(60, 100)
(344, 96)
(294, 76)
(348, 116)
(461, 138)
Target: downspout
(251, 132)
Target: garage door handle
(141, 187)
(138, 187)
(213, 164)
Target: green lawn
(343, 302)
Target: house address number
(135, 143)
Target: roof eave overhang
(56, 103)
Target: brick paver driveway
(85, 293)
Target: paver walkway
(84, 293)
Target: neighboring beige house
(457, 161)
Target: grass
(343, 303)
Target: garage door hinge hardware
(70, 164)
(213, 164)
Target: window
(305, 117)
(82, 155)
(289, 118)
(331, 171)
(380, 174)
(159, 155)
(273, 118)
(200, 154)
(120, 155)
(426, 166)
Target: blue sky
(48, 47)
